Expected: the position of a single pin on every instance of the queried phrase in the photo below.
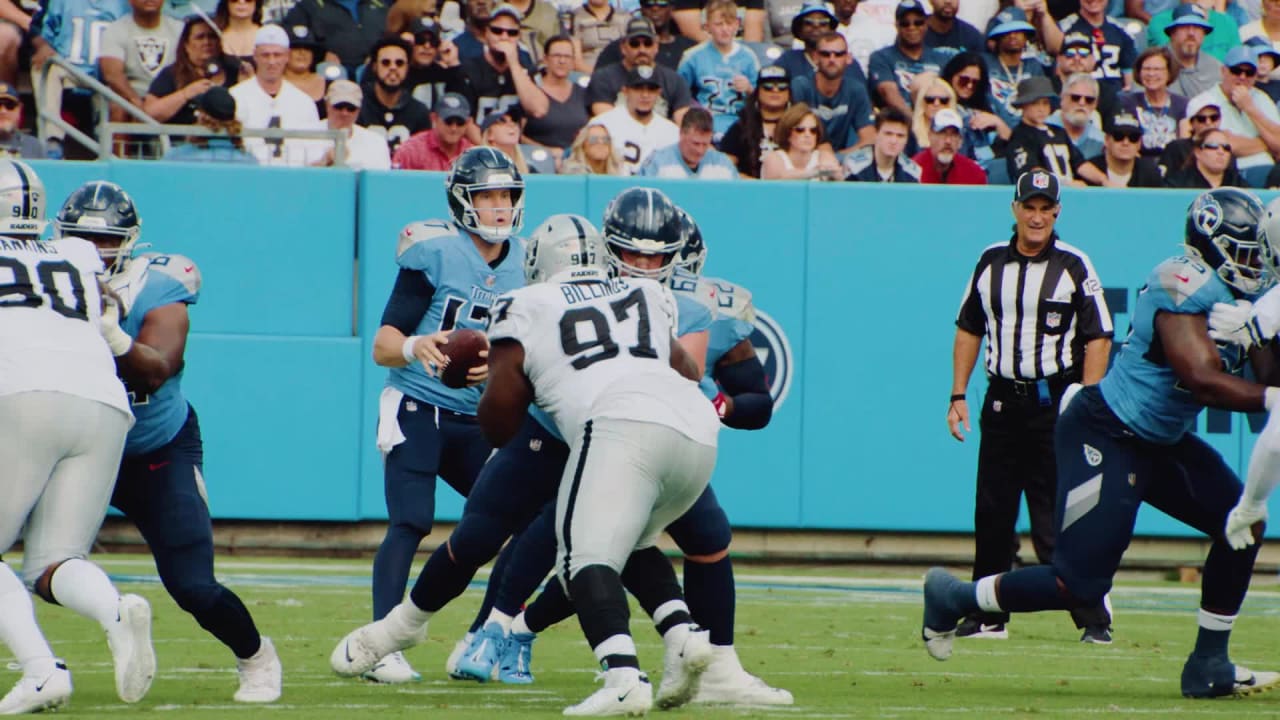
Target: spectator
(434, 68)
(347, 29)
(540, 22)
(1159, 111)
(606, 87)
(941, 162)
(779, 16)
(388, 108)
(437, 148)
(671, 44)
(693, 154)
(501, 131)
(836, 98)
(1268, 57)
(1078, 115)
(499, 78)
(215, 111)
(1122, 162)
(267, 101)
(688, 18)
(1197, 71)
(1209, 166)
(636, 128)
(1203, 114)
(64, 30)
(300, 70)
(365, 149)
(403, 14)
(470, 41)
(567, 111)
(751, 137)
(596, 23)
(886, 160)
(894, 68)
(13, 142)
(1010, 34)
(950, 35)
(932, 95)
(720, 70)
(1113, 48)
(198, 64)
(966, 73)
(1266, 27)
(593, 153)
(1076, 56)
(1226, 34)
(802, 152)
(1249, 118)
(134, 50)
(238, 21)
(14, 24)
(864, 31)
(813, 21)
(1035, 143)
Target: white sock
(82, 587)
(615, 645)
(986, 591)
(18, 629)
(1216, 622)
(408, 619)
(503, 620)
(518, 625)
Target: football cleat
(480, 659)
(940, 616)
(626, 691)
(38, 691)
(1096, 635)
(975, 628)
(514, 666)
(459, 648)
(726, 683)
(1210, 677)
(687, 656)
(362, 648)
(131, 651)
(393, 670)
(259, 675)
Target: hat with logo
(217, 103)
(452, 106)
(1189, 15)
(1037, 182)
(9, 91)
(344, 91)
(640, 26)
(492, 118)
(643, 75)
(1123, 121)
(1009, 20)
(909, 6)
(1076, 40)
(947, 118)
(300, 36)
(423, 26)
(774, 74)
(507, 9)
(813, 7)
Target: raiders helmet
(22, 200)
(565, 242)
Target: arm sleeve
(410, 299)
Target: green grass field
(844, 640)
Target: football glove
(1245, 325)
(117, 339)
(1240, 521)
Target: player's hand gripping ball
(464, 350)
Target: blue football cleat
(1210, 677)
(514, 667)
(480, 659)
(940, 614)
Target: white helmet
(565, 242)
(1269, 238)
(22, 200)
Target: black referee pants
(1016, 457)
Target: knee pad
(702, 531)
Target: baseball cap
(1032, 89)
(492, 118)
(1036, 182)
(947, 118)
(271, 35)
(424, 26)
(640, 27)
(773, 73)
(300, 36)
(1123, 121)
(1240, 55)
(643, 75)
(1189, 14)
(217, 103)
(452, 106)
(8, 91)
(1200, 102)
(1009, 20)
(812, 7)
(1076, 40)
(344, 91)
(507, 9)
(1262, 46)
(909, 6)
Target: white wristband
(407, 349)
(1270, 398)
(120, 342)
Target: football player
(450, 274)
(160, 485)
(1129, 440)
(63, 421)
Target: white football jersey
(634, 140)
(50, 319)
(603, 349)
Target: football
(463, 350)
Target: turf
(845, 643)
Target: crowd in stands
(1137, 93)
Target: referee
(1038, 303)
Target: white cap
(947, 118)
(271, 35)
(1202, 101)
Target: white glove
(1231, 323)
(1240, 520)
(117, 339)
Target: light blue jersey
(694, 317)
(668, 162)
(152, 281)
(1140, 388)
(711, 74)
(74, 28)
(733, 318)
(464, 288)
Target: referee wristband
(957, 397)
(407, 349)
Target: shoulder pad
(1181, 278)
(178, 267)
(909, 166)
(421, 230)
(859, 160)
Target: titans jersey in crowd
(463, 287)
(711, 75)
(1141, 389)
(73, 28)
(149, 282)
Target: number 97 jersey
(602, 348)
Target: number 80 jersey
(602, 348)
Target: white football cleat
(726, 682)
(626, 691)
(1250, 682)
(687, 656)
(38, 691)
(131, 649)
(260, 675)
(362, 648)
(393, 670)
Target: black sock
(709, 590)
(603, 613)
(549, 608)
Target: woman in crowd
(1159, 112)
(593, 153)
(305, 53)
(751, 137)
(932, 93)
(239, 21)
(501, 131)
(802, 152)
(198, 64)
(217, 112)
(1209, 166)
(568, 112)
(984, 131)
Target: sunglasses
(1216, 146)
(775, 86)
(1215, 117)
(598, 140)
(817, 22)
(936, 99)
(1077, 52)
(1085, 99)
(654, 3)
(509, 32)
(636, 42)
(806, 130)
(345, 107)
(832, 53)
(456, 122)
(392, 62)
(426, 38)
(965, 81)
(1244, 71)
(910, 23)
(9, 104)
(1132, 137)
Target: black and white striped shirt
(1037, 313)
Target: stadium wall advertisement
(856, 290)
